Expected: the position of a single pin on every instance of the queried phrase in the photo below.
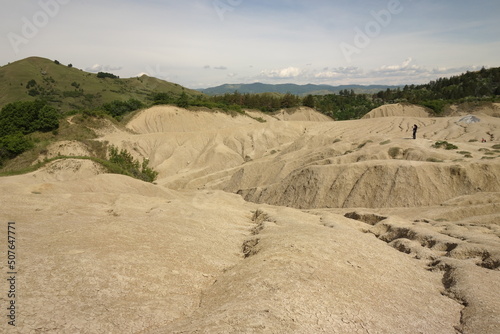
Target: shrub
(13, 145)
(119, 108)
(103, 75)
(360, 146)
(394, 152)
(445, 145)
(161, 98)
(125, 164)
(434, 160)
(27, 117)
(183, 101)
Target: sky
(206, 43)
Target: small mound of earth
(64, 148)
(303, 114)
(397, 110)
(469, 119)
(68, 169)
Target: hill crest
(68, 88)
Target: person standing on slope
(415, 127)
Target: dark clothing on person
(415, 127)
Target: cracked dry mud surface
(335, 236)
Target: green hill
(68, 88)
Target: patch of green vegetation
(433, 160)
(67, 88)
(473, 141)
(18, 120)
(118, 109)
(489, 153)
(463, 152)
(394, 152)
(385, 142)
(437, 106)
(445, 145)
(122, 162)
(488, 158)
(364, 144)
(496, 147)
(119, 162)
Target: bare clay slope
(107, 253)
(364, 163)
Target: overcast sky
(205, 43)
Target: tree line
(470, 86)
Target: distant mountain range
(301, 90)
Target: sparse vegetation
(433, 160)
(445, 145)
(123, 163)
(385, 142)
(394, 152)
(360, 146)
(496, 147)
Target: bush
(102, 75)
(119, 108)
(161, 98)
(13, 145)
(183, 101)
(20, 118)
(445, 145)
(436, 105)
(125, 164)
(394, 152)
(27, 117)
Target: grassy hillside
(69, 88)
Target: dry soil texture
(295, 225)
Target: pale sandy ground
(347, 227)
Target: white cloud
(99, 68)
(340, 72)
(405, 67)
(284, 73)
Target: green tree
(183, 100)
(309, 101)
